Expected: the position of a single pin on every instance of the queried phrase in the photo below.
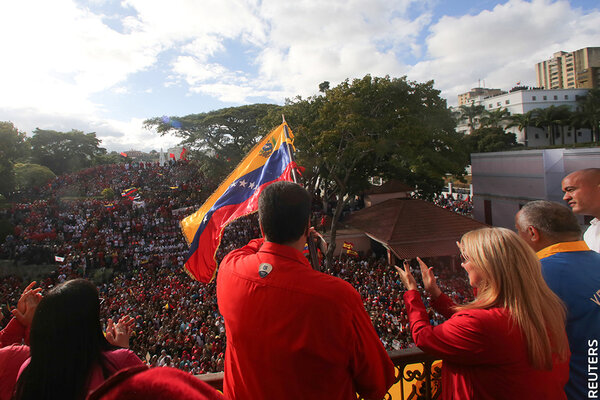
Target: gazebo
(412, 228)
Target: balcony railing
(418, 376)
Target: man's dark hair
(553, 219)
(284, 211)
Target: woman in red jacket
(508, 343)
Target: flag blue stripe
(237, 193)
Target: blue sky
(105, 66)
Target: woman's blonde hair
(511, 277)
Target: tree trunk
(333, 233)
(550, 135)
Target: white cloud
(502, 46)
(64, 55)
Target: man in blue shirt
(572, 271)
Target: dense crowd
(459, 205)
(177, 322)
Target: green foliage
(495, 118)
(553, 118)
(589, 113)
(217, 139)
(65, 152)
(387, 127)
(471, 113)
(522, 122)
(484, 140)
(7, 172)
(6, 228)
(13, 147)
(108, 194)
(110, 158)
(30, 176)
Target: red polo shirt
(295, 333)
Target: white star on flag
(243, 183)
(251, 185)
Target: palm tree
(551, 118)
(494, 118)
(471, 114)
(522, 122)
(562, 118)
(588, 112)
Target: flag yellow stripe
(252, 161)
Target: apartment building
(570, 70)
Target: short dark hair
(553, 219)
(284, 211)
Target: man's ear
(534, 233)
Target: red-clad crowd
(177, 321)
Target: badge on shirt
(264, 269)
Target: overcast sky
(105, 66)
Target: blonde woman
(508, 343)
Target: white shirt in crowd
(592, 235)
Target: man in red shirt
(293, 332)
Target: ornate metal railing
(418, 376)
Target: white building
(523, 101)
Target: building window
(537, 135)
(507, 102)
(490, 106)
(579, 133)
(533, 98)
(545, 97)
(555, 97)
(566, 97)
(569, 134)
(498, 104)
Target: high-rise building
(575, 70)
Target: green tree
(109, 158)
(552, 119)
(522, 122)
(64, 152)
(471, 113)
(218, 139)
(484, 140)
(588, 113)
(13, 147)
(495, 118)
(108, 194)
(31, 176)
(373, 126)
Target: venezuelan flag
(269, 161)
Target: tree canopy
(218, 139)
(64, 152)
(386, 127)
(13, 147)
(30, 176)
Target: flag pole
(312, 248)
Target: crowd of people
(177, 321)
(459, 204)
